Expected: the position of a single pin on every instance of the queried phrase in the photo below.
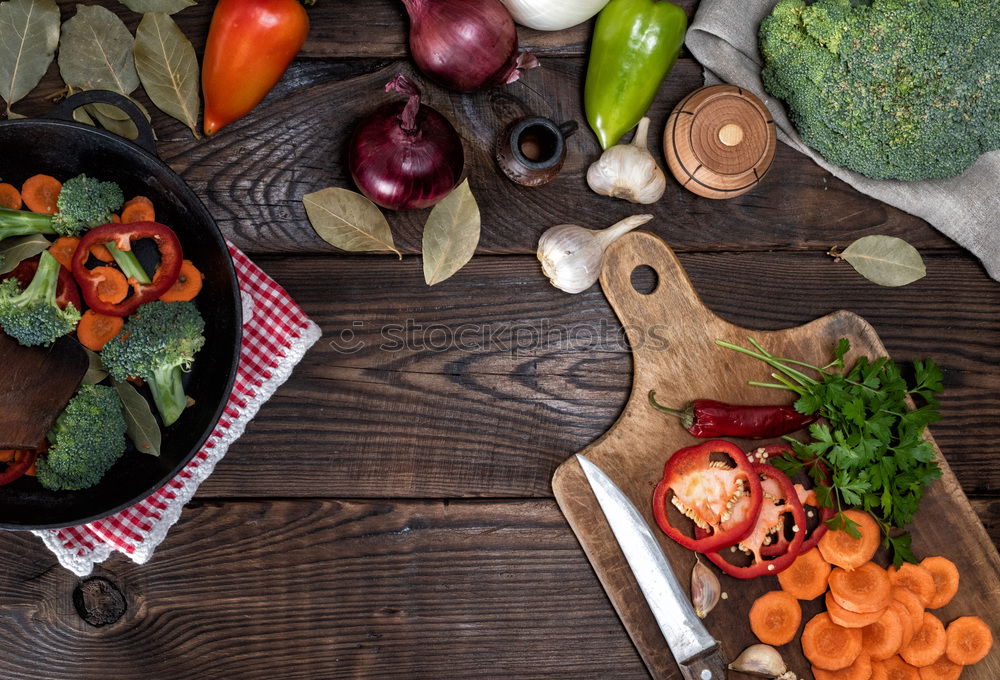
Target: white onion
(553, 15)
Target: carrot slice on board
(95, 330)
(928, 643)
(187, 286)
(861, 669)
(914, 578)
(942, 669)
(806, 578)
(847, 618)
(63, 248)
(894, 668)
(883, 638)
(10, 197)
(138, 209)
(905, 621)
(829, 646)
(945, 575)
(913, 604)
(775, 618)
(969, 639)
(842, 550)
(40, 193)
(863, 590)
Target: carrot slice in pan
(7, 455)
(945, 575)
(883, 638)
(112, 285)
(861, 669)
(829, 646)
(969, 639)
(10, 197)
(806, 578)
(847, 618)
(63, 248)
(775, 618)
(928, 643)
(894, 668)
(101, 252)
(40, 193)
(842, 550)
(942, 669)
(914, 578)
(905, 621)
(187, 286)
(95, 330)
(138, 209)
(863, 590)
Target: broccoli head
(85, 441)
(892, 89)
(32, 317)
(158, 344)
(83, 203)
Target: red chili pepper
(705, 418)
(16, 469)
(123, 235)
(723, 500)
(782, 499)
(66, 290)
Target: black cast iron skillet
(62, 148)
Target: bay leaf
(167, 6)
(95, 52)
(168, 68)
(142, 427)
(885, 260)
(451, 234)
(29, 35)
(95, 369)
(348, 220)
(16, 249)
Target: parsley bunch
(872, 440)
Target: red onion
(466, 45)
(405, 156)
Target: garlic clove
(705, 589)
(571, 256)
(629, 171)
(762, 661)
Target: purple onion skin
(465, 45)
(402, 170)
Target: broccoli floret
(892, 89)
(158, 344)
(83, 203)
(85, 441)
(33, 317)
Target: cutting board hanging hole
(645, 280)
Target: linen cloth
(276, 334)
(723, 38)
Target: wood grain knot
(99, 602)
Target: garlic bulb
(762, 661)
(629, 171)
(553, 15)
(705, 589)
(571, 256)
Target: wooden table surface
(389, 512)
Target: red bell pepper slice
(722, 500)
(781, 499)
(66, 290)
(123, 235)
(16, 469)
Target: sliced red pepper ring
(16, 469)
(780, 499)
(123, 236)
(722, 500)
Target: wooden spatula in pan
(36, 383)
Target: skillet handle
(64, 111)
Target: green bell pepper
(636, 43)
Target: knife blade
(697, 653)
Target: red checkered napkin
(276, 334)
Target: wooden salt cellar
(719, 141)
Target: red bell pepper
(123, 235)
(66, 290)
(721, 499)
(16, 469)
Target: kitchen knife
(696, 652)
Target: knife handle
(709, 666)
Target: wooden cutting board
(672, 334)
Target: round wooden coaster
(719, 141)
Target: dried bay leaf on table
(348, 220)
(142, 427)
(168, 68)
(95, 52)
(885, 260)
(29, 35)
(451, 234)
(16, 249)
(166, 6)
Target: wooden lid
(719, 141)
